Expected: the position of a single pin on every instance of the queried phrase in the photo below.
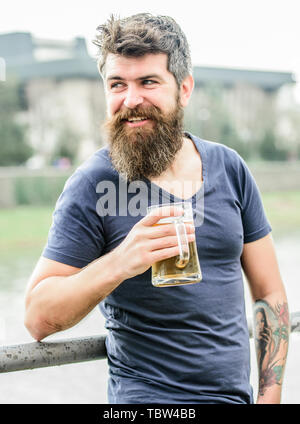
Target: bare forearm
(271, 319)
(59, 302)
(63, 296)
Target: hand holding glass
(185, 267)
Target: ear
(186, 89)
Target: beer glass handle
(184, 251)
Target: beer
(185, 267)
(176, 271)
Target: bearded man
(184, 344)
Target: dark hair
(145, 33)
(263, 312)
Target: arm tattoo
(271, 341)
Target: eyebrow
(118, 78)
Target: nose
(133, 99)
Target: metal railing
(68, 351)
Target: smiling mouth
(136, 122)
(136, 119)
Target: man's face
(144, 114)
(139, 81)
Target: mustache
(149, 112)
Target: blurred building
(253, 99)
(62, 91)
(60, 88)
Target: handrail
(47, 354)
(68, 351)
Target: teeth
(136, 119)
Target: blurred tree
(67, 144)
(208, 117)
(231, 138)
(288, 130)
(269, 150)
(14, 149)
(247, 120)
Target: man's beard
(145, 151)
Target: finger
(166, 253)
(164, 230)
(161, 212)
(266, 337)
(170, 241)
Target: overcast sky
(254, 34)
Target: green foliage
(217, 114)
(230, 138)
(208, 117)
(14, 149)
(38, 190)
(67, 144)
(282, 209)
(24, 227)
(268, 149)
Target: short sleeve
(76, 234)
(255, 222)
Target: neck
(181, 160)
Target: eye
(149, 82)
(116, 85)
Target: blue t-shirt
(184, 344)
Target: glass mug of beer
(185, 267)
